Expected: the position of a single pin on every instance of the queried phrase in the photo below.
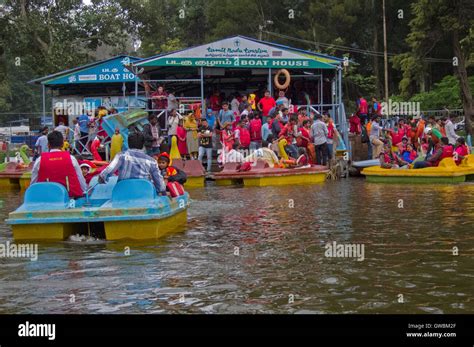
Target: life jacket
(420, 128)
(447, 153)
(175, 189)
(396, 137)
(461, 151)
(227, 139)
(363, 107)
(300, 142)
(255, 130)
(244, 137)
(330, 130)
(387, 159)
(57, 167)
(171, 171)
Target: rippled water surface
(255, 250)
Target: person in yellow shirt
(116, 144)
(190, 125)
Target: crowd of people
(240, 124)
(57, 164)
(235, 126)
(414, 142)
(85, 132)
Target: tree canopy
(40, 37)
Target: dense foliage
(40, 37)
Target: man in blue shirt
(134, 163)
(225, 115)
(266, 132)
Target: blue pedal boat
(127, 209)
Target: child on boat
(169, 172)
(409, 154)
(389, 160)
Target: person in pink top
(181, 139)
(461, 150)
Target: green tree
(445, 23)
(40, 37)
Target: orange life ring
(287, 79)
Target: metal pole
(44, 103)
(203, 106)
(333, 94)
(136, 85)
(342, 114)
(385, 54)
(339, 93)
(321, 94)
(270, 81)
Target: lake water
(262, 250)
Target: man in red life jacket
(60, 167)
(243, 135)
(255, 127)
(443, 150)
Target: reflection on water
(252, 250)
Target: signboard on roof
(112, 71)
(239, 52)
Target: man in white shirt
(173, 122)
(450, 132)
(64, 130)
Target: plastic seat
(194, 168)
(102, 191)
(11, 166)
(468, 161)
(447, 162)
(178, 163)
(46, 196)
(260, 164)
(133, 192)
(230, 167)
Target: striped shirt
(133, 163)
